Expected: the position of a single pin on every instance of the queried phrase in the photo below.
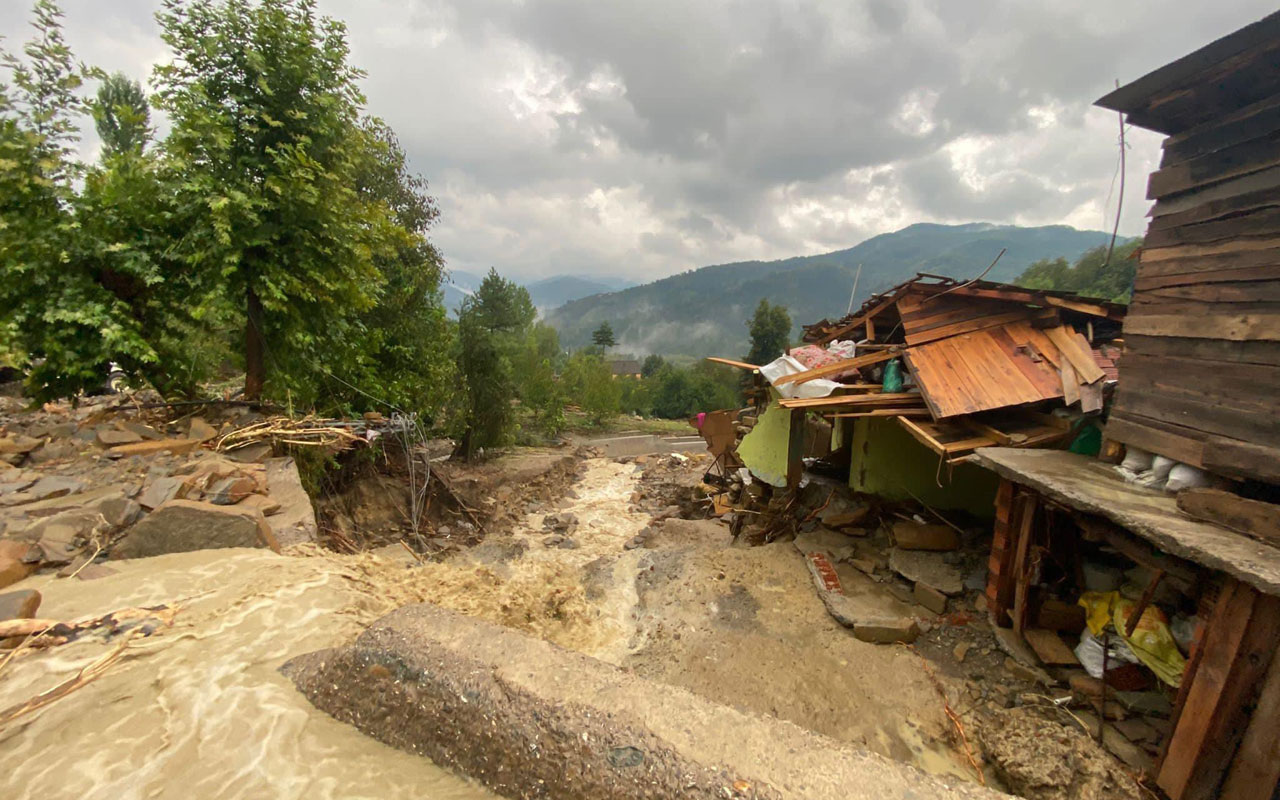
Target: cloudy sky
(638, 138)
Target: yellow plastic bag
(1152, 642)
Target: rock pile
(80, 485)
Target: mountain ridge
(704, 311)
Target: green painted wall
(888, 461)
(764, 449)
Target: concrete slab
(527, 718)
(1095, 487)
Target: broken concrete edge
(528, 718)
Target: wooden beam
(1115, 314)
(730, 362)
(1077, 351)
(1255, 772)
(1250, 517)
(795, 449)
(884, 413)
(852, 324)
(903, 399)
(923, 436)
(968, 326)
(1000, 562)
(1135, 616)
(837, 367)
(1021, 574)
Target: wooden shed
(1200, 378)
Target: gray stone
(161, 491)
(200, 430)
(21, 604)
(109, 436)
(51, 486)
(930, 598)
(230, 491)
(295, 523)
(927, 567)
(1151, 704)
(886, 630)
(181, 526)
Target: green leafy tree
(492, 324)
(652, 363)
(121, 115)
(770, 328)
(403, 351)
(535, 370)
(680, 393)
(602, 337)
(589, 381)
(1091, 275)
(54, 295)
(265, 139)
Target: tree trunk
(255, 368)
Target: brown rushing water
(199, 710)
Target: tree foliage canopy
(603, 336)
(122, 115)
(272, 205)
(770, 328)
(1091, 275)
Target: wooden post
(1234, 658)
(1000, 562)
(1255, 773)
(795, 448)
(1021, 570)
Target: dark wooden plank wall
(1200, 378)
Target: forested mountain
(546, 293)
(704, 311)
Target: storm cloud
(645, 138)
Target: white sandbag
(1136, 460)
(1185, 476)
(1161, 466)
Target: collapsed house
(938, 369)
(1129, 462)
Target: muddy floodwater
(199, 711)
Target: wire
(1120, 200)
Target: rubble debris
(162, 490)
(886, 630)
(179, 526)
(201, 431)
(21, 604)
(152, 447)
(12, 570)
(930, 598)
(914, 536)
(1040, 758)
(109, 436)
(930, 568)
